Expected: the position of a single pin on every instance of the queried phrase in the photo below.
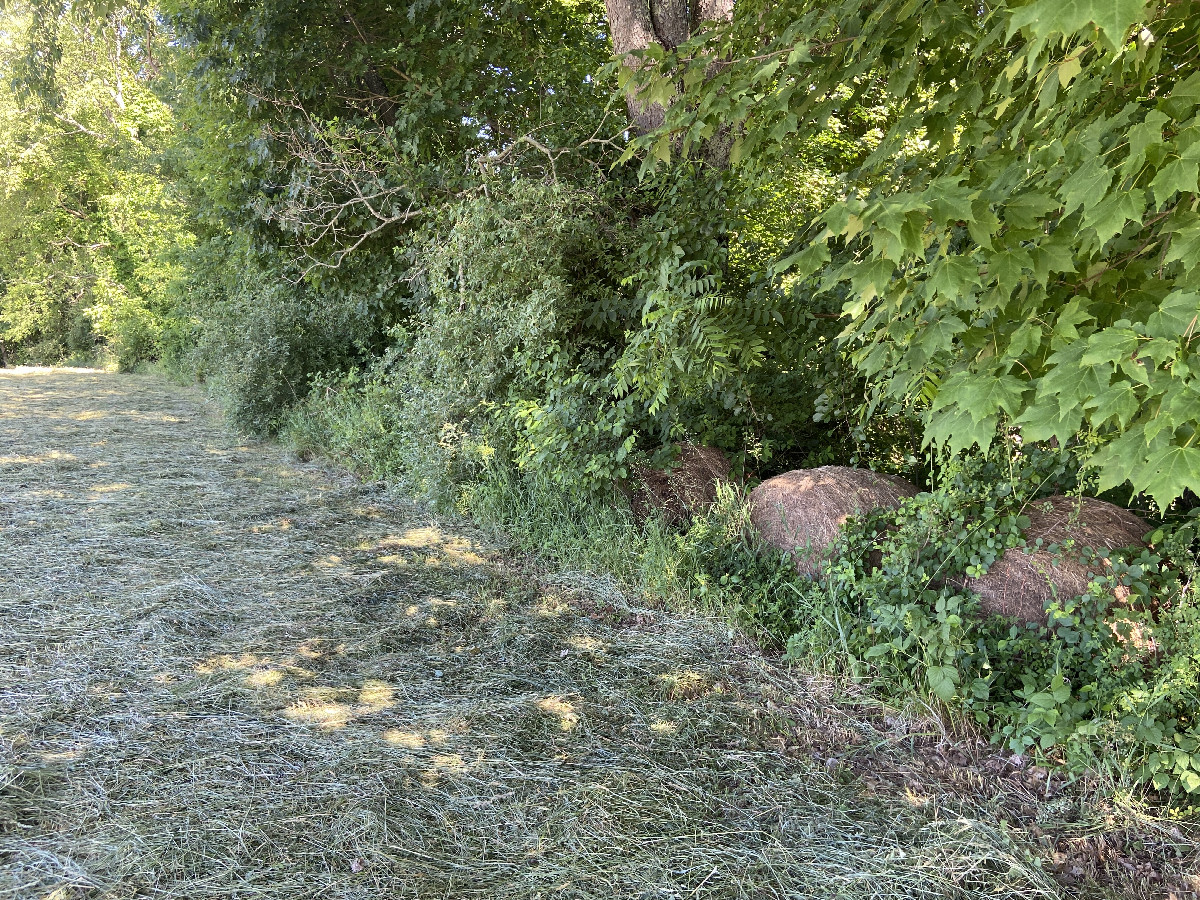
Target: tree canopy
(997, 200)
(1019, 246)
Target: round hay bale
(801, 511)
(686, 489)
(1024, 580)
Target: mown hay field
(225, 673)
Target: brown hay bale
(1023, 581)
(689, 487)
(802, 510)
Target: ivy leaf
(954, 276)
(1068, 69)
(1118, 401)
(948, 202)
(1045, 419)
(1142, 136)
(1027, 210)
(1117, 461)
(1181, 405)
(869, 280)
(1190, 781)
(1158, 350)
(804, 262)
(1086, 186)
(1168, 473)
(1108, 217)
(939, 334)
(983, 225)
(1024, 341)
(1114, 18)
(1007, 266)
(982, 395)
(1044, 18)
(1052, 256)
(1109, 345)
(1185, 245)
(956, 429)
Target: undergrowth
(1103, 687)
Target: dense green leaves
(1026, 240)
(86, 216)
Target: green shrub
(261, 331)
(506, 357)
(1097, 685)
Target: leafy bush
(1099, 687)
(87, 219)
(263, 332)
(507, 355)
(1100, 682)
(1018, 247)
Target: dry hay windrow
(228, 674)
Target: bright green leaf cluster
(1022, 244)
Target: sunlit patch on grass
(265, 677)
(62, 755)
(664, 726)
(415, 539)
(49, 456)
(110, 488)
(916, 798)
(585, 643)
(410, 740)
(562, 710)
(331, 708)
(228, 661)
(281, 525)
(415, 739)
(329, 716)
(446, 549)
(551, 606)
(441, 766)
(376, 695)
(685, 684)
(88, 415)
(319, 648)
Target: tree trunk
(639, 24)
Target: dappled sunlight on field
(48, 456)
(110, 488)
(436, 546)
(233, 674)
(562, 710)
(333, 708)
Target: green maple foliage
(1022, 244)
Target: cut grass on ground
(228, 674)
